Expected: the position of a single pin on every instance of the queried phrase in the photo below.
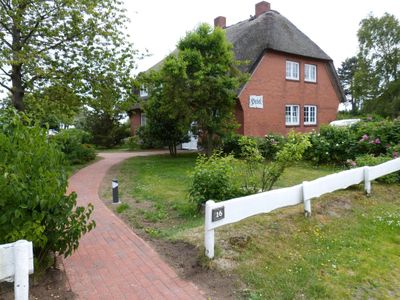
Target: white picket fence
(16, 263)
(234, 210)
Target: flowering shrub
(376, 137)
(331, 145)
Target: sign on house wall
(256, 101)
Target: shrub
(147, 142)
(370, 160)
(331, 145)
(230, 144)
(376, 137)
(133, 142)
(270, 145)
(106, 129)
(33, 184)
(267, 146)
(74, 144)
(253, 159)
(293, 150)
(259, 173)
(214, 178)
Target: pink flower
(377, 141)
(351, 163)
(365, 137)
(395, 154)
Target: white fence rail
(16, 263)
(234, 210)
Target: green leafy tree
(33, 183)
(378, 57)
(212, 82)
(49, 46)
(346, 75)
(167, 109)
(109, 96)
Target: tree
(51, 44)
(167, 108)
(378, 58)
(346, 75)
(212, 82)
(109, 96)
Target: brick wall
(135, 121)
(269, 80)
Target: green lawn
(349, 248)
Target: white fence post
(21, 277)
(16, 263)
(367, 181)
(209, 233)
(307, 202)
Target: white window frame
(143, 119)
(310, 73)
(143, 91)
(292, 70)
(310, 114)
(292, 115)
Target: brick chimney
(220, 22)
(262, 7)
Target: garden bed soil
(53, 284)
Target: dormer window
(310, 73)
(292, 70)
(143, 91)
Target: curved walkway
(112, 262)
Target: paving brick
(112, 262)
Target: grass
(349, 248)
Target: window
(292, 115)
(143, 119)
(310, 73)
(310, 115)
(292, 70)
(143, 92)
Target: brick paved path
(112, 262)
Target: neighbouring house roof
(272, 31)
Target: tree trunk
(18, 89)
(209, 143)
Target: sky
(158, 25)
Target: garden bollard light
(115, 191)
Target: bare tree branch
(5, 42)
(5, 27)
(5, 73)
(6, 87)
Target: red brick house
(293, 83)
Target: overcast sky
(158, 25)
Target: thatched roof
(272, 31)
